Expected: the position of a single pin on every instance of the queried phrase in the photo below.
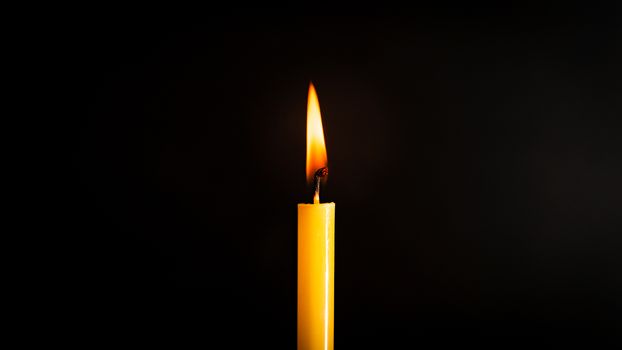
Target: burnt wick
(317, 179)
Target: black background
(474, 154)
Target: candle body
(316, 275)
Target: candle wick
(317, 179)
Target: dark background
(474, 154)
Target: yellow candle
(316, 245)
(316, 271)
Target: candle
(316, 245)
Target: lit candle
(316, 245)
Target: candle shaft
(316, 271)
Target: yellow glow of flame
(316, 148)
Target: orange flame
(316, 148)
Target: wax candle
(316, 245)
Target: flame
(316, 148)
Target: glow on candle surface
(316, 245)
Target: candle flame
(316, 148)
